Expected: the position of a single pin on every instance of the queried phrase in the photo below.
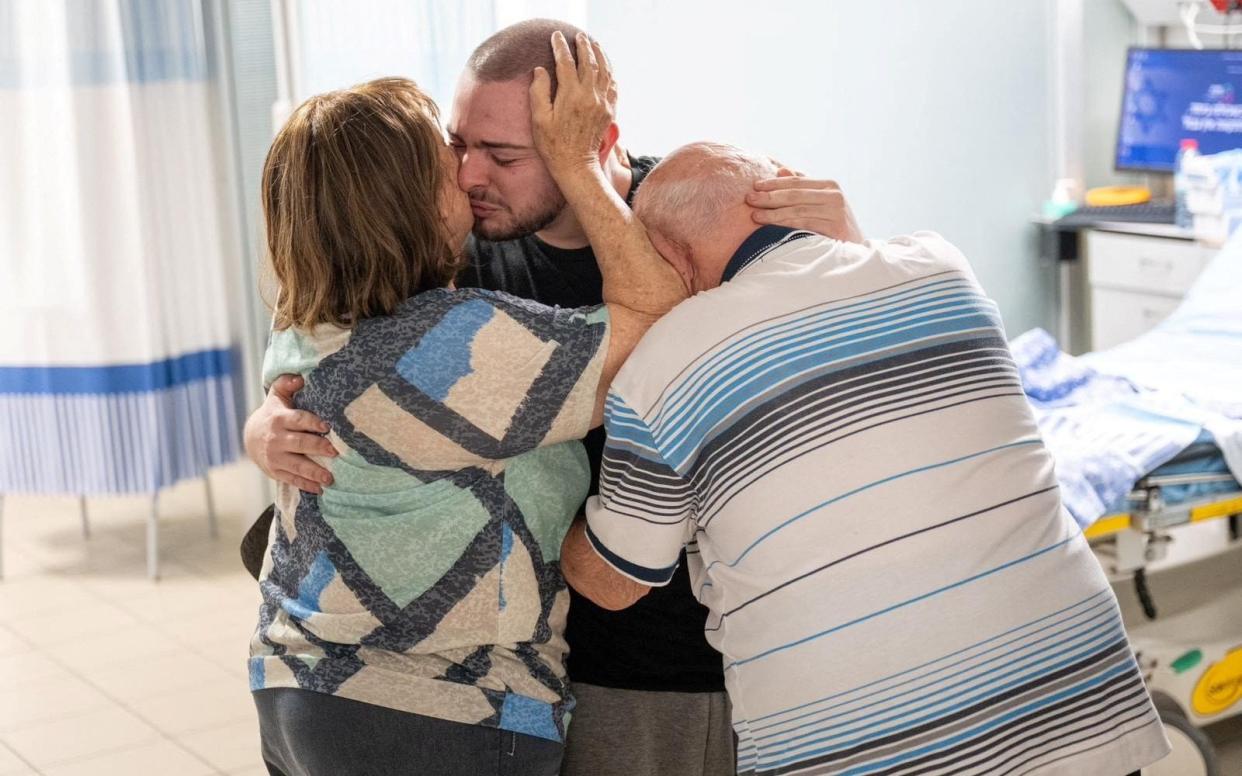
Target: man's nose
(472, 172)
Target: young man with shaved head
(649, 688)
(834, 438)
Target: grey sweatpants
(636, 733)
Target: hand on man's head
(798, 202)
(577, 125)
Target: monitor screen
(1171, 94)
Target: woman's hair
(351, 202)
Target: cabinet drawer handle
(1163, 265)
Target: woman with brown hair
(413, 614)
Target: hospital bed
(1191, 656)
(1147, 439)
(1194, 486)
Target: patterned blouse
(426, 578)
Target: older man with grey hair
(837, 436)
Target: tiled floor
(103, 672)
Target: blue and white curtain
(118, 372)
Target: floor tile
(34, 702)
(69, 738)
(96, 660)
(228, 748)
(28, 666)
(71, 624)
(102, 650)
(11, 764)
(120, 588)
(188, 711)
(231, 655)
(190, 599)
(213, 625)
(159, 758)
(11, 643)
(159, 675)
(27, 596)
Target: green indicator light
(1187, 661)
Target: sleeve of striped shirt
(644, 513)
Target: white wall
(931, 115)
(1108, 30)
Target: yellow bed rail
(1115, 523)
(1108, 525)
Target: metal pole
(153, 539)
(212, 524)
(86, 525)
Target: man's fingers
(284, 387)
(566, 75)
(811, 223)
(603, 76)
(794, 182)
(540, 96)
(304, 444)
(787, 216)
(605, 64)
(588, 66)
(301, 466)
(795, 197)
(301, 483)
(301, 420)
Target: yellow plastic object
(1114, 196)
(1108, 525)
(1225, 508)
(1220, 686)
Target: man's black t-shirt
(658, 643)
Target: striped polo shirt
(838, 436)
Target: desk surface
(1170, 231)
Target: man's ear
(678, 256)
(611, 135)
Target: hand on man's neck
(565, 232)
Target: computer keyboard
(1146, 213)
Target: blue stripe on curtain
(117, 378)
(162, 40)
(119, 442)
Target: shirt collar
(758, 245)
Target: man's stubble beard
(528, 224)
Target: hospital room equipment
(1147, 438)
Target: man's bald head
(514, 52)
(688, 195)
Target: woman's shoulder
(446, 298)
(439, 302)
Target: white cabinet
(1137, 281)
